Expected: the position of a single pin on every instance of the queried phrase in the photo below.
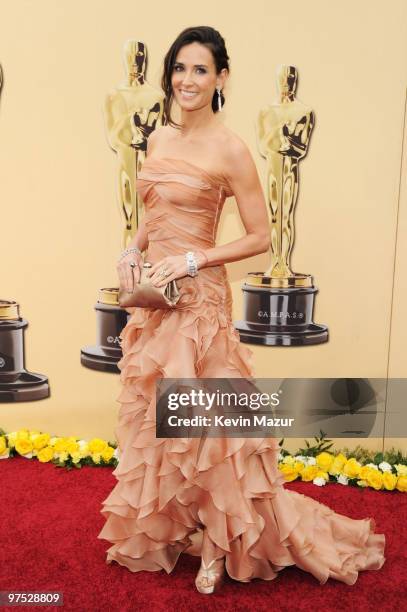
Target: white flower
(280, 456)
(312, 461)
(81, 444)
(302, 458)
(320, 481)
(288, 459)
(384, 466)
(372, 465)
(116, 452)
(62, 456)
(401, 469)
(342, 479)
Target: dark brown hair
(206, 36)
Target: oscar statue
(279, 303)
(131, 111)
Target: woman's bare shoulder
(159, 135)
(236, 152)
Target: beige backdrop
(60, 223)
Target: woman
(221, 499)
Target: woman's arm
(140, 238)
(245, 183)
(140, 241)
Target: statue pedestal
(110, 320)
(16, 383)
(279, 312)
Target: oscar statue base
(16, 383)
(27, 387)
(110, 320)
(279, 315)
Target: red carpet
(50, 519)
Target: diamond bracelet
(131, 250)
(191, 263)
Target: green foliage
(363, 455)
(322, 445)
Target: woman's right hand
(125, 272)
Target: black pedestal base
(27, 387)
(280, 317)
(95, 358)
(104, 355)
(16, 383)
(313, 334)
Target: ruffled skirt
(169, 491)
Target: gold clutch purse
(145, 295)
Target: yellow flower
(365, 471)
(362, 483)
(97, 445)
(401, 469)
(76, 457)
(96, 457)
(84, 450)
(402, 483)
(12, 437)
(72, 447)
(60, 445)
(290, 473)
(23, 434)
(41, 441)
(3, 445)
(298, 466)
(45, 454)
(322, 474)
(289, 460)
(389, 481)
(107, 454)
(33, 433)
(351, 468)
(337, 464)
(375, 479)
(309, 472)
(24, 446)
(324, 461)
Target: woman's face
(194, 77)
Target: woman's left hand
(174, 265)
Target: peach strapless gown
(170, 490)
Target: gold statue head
(135, 60)
(287, 81)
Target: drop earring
(219, 99)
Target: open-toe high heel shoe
(209, 577)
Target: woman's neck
(197, 121)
